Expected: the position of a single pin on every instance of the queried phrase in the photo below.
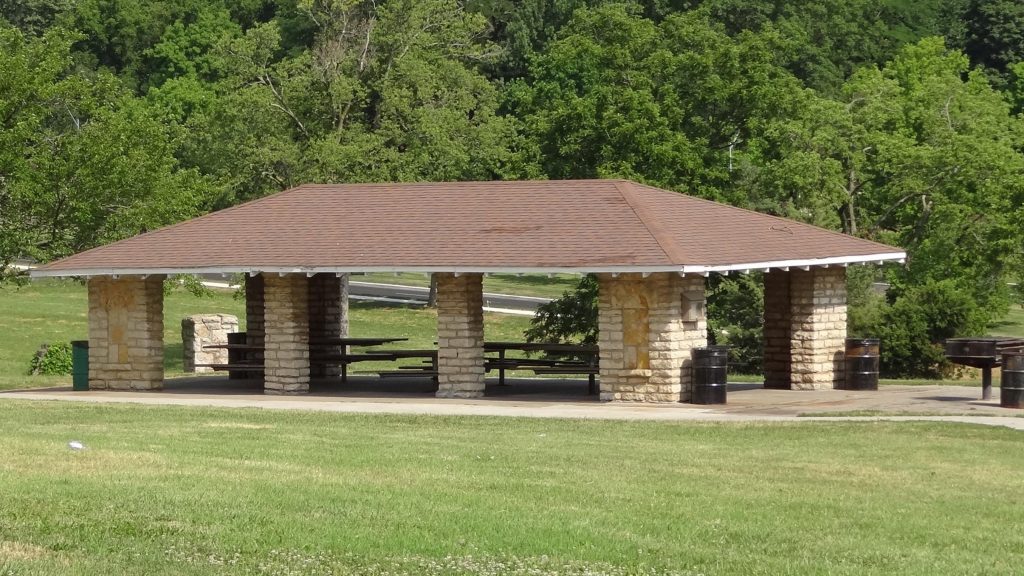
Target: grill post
(986, 383)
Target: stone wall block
(201, 330)
(328, 318)
(460, 335)
(126, 331)
(817, 327)
(286, 334)
(645, 342)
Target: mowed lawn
(173, 490)
(56, 311)
(537, 285)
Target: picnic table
(582, 359)
(559, 358)
(241, 362)
(323, 351)
(428, 366)
(338, 351)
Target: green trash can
(79, 364)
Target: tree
(33, 17)
(83, 162)
(995, 33)
(923, 154)
(32, 88)
(669, 104)
(571, 318)
(387, 92)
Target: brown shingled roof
(541, 226)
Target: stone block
(202, 330)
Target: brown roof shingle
(579, 225)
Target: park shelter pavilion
(650, 249)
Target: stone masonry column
(255, 329)
(126, 333)
(286, 313)
(648, 326)
(328, 318)
(343, 309)
(818, 327)
(807, 309)
(777, 331)
(460, 335)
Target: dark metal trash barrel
(1011, 382)
(710, 373)
(236, 356)
(861, 364)
(79, 365)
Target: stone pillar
(201, 330)
(805, 328)
(286, 313)
(255, 329)
(460, 336)
(647, 327)
(343, 310)
(326, 300)
(126, 333)
(818, 327)
(777, 330)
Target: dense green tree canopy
(894, 120)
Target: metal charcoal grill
(984, 353)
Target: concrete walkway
(566, 399)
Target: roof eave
(799, 263)
(310, 270)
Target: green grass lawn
(171, 490)
(1012, 325)
(55, 311)
(539, 285)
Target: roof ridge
(766, 215)
(651, 222)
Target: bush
(914, 327)
(56, 360)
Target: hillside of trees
(894, 120)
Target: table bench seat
(407, 373)
(232, 367)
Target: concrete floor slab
(550, 398)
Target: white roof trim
(685, 269)
(890, 256)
